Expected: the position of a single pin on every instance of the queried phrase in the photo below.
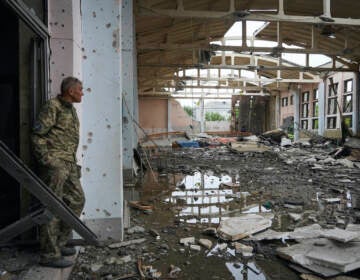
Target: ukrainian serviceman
(55, 141)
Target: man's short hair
(67, 83)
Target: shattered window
(305, 96)
(332, 109)
(315, 123)
(331, 122)
(347, 103)
(348, 85)
(304, 124)
(316, 94)
(315, 109)
(284, 102)
(333, 89)
(305, 110)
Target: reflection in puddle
(242, 271)
(348, 199)
(204, 198)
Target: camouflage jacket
(56, 133)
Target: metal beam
(159, 95)
(280, 50)
(38, 217)
(230, 79)
(246, 49)
(240, 15)
(27, 179)
(30, 19)
(250, 67)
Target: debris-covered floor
(299, 198)
(245, 210)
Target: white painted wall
(102, 117)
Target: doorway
(9, 110)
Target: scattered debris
(210, 231)
(206, 243)
(126, 243)
(274, 136)
(296, 217)
(155, 233)
(244, 250)
(242, 226)
(195, 247)
(174, 271)
(187, 241)
(329, 259)
(141, 206)
(311, 195)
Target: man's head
(71, 90)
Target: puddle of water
(208, 199)
(242, 271)
(239, 269)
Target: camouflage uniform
(55, 140)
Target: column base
(107, 228)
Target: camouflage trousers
(63, 178)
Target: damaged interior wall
(341, 90)
(153, 116)
(321, 105)
(180, 120)
(251, 113)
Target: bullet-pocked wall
(102, 118)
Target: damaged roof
(176, 35)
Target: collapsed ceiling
(173, 36)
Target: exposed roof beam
(252, 67)
(280, 50)
(160, 95)
(241, 49)
(239, 15)
(224, 88)
(243, 79)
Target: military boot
(56, 263)
(68, 251)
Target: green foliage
(188, 110)
(214, 116)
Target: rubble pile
(237, 210)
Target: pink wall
(153, 116)
(180, 120)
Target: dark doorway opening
(9, 110)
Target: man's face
(76, 93)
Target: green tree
(214, 116)
(189, 110)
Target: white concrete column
(356, 104)
(202, 115)
(297, 126)
(129, 91)
(102, 118)
(322, 112)
(277, 110)
(169, 127)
